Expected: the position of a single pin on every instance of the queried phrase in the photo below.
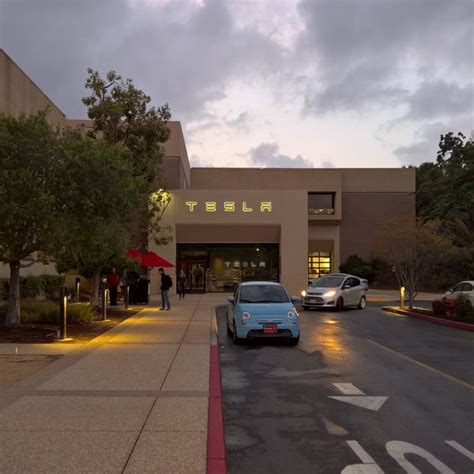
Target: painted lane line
(348, 389)
(458, 447)
(367, 402)
(421, 364)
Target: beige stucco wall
(289, 212)
(20, 95)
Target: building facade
(233, 224)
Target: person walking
(166, 284)
(113, 281)
(182, 280)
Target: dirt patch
(80, 332)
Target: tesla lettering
(229, 206)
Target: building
(230, 224)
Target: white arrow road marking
(364, 401)
(369, 466)
(348, 389)
(461, 449)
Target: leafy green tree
(122, 114)
(28, 197)
(445, 191)
(99, 195)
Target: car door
(457, 290)
(357, 290)
(346, 290)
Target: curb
(216, 459)
(433, 319)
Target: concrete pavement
(135, 399)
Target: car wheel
(235, 338)
(294, 340)
(305, 307)
(362, 302)
(339, 304)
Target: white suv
(335, 290)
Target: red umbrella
(151, 259)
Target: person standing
(182, 280)
(113, 281)
(166, 284)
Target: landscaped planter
(428, 315)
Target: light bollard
(105, 294)
(78, 288)
(63, 316)
(402, 297)
(126, 292)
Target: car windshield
(328, 282)
(263, 294)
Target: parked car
(335, 290)
(465, 288)
(262, 309)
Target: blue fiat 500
(262, 309)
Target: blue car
(262, 309)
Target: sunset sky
(316, 83)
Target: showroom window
(319, 263)
(321, 203)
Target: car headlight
(292, 314)
(329, 293)
(245, 315)
(303, 293)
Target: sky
(267, 83)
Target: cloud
(425, 145)
(267, 155)
(441, 99)
(366, 53)
(177, 52)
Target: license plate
(313, 300)
(270, 329)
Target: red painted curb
(216, 460)
(433, 319)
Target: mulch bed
(428, 315)
(81, 332)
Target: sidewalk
(135, 399)
(394, 295)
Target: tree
(100, 196)
(28, 196)
(121, 114)
(414, 249)
(445, 189)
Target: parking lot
(363, 388)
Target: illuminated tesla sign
(229, 206)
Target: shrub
(438, 308)
(368, 269)
(32, 311)
(464, 310)
(47, 312)
(79, 312)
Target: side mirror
(231, 299)
(451, 290)
(346, 287)
(294, 299)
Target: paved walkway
(132, 400)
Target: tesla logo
(229, 206)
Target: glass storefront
(219, 267)
(319, 263)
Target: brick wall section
(361, 212)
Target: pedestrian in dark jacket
(166, 284)
(182, 280)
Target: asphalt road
(279, 417)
